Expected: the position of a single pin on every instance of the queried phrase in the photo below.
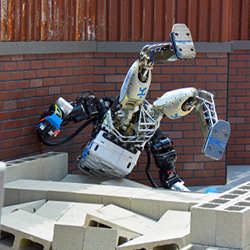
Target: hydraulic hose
(150, 178)
(68, 138)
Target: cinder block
(224, 221)
(150, 203)
(72, 213)
(84, 238)
(73, 178)
(30, 207)
(128, 224)
(24, 230)
(172, 231)
(47, 166)
(204, 247)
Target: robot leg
(165, 157)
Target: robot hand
(180, 47)
(51, 121)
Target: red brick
(54, 72)
(115, 62)
(216, 55)
(9, 124)
(23, 84)
(28, 74)
(216, 70)
(54, 90)
(4, 115)
(204, 173)
(184, 78)
(10, 85)
(238, 78)
(193, 166)
(10, 66)
(95, 78)
(10, 105)
(5, 76)
(238, 64)
(65, 72)
(36, 64)
(29, 92)
(99, 62)
(104, 70)
(48, 81)
(206, 78)
(42, 91)
(204, 62)
(114, 78)
(17, 75)
(222, 62)
(48, 63)
(36, 83)
(42, 73)
(171, 70)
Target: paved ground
(236, 175)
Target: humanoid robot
(126, 125)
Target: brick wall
(239, 107)
(30, 83)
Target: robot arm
(178, 103)
(138, 79)
(63, 112)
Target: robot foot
(216, 142)
(182, 41)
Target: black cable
(44, 141)
(150, 178)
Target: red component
(57, 132)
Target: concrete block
(204, 247)
(84, 238)
(24, 230)
(47, 166)
(150, 203)
(70, 212)
(172, 231)
(28, 206)
(128, 224)
(226, 220)
(104, 181)
(121, 217)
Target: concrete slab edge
(49, 47)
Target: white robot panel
(102, 157)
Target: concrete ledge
(84, 238)
(49, 47)
(172, 231)
(47, 166)
(23, 230)
(128, 224)
(149, 203)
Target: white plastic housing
(171, 102)
(105, 158)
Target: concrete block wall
(62, 225)
(30, 226)
(46, 166)
(30, 83)
(224, 221)
(150, 203)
